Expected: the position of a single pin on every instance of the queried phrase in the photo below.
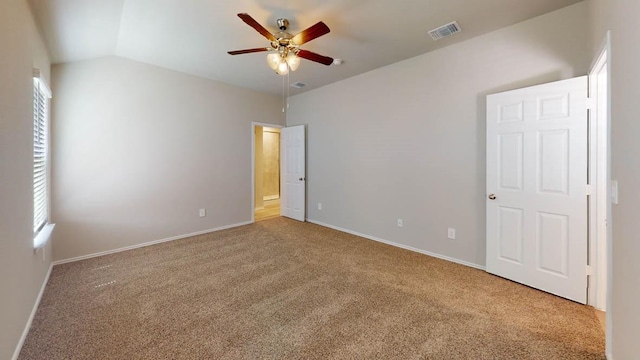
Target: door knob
(301, 179)
(492, 197)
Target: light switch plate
(614, 192)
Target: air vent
(445, 30)
(298, 85)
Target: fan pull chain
(288, 86)
(283, 96)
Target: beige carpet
(280, 289)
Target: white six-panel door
(292, 167)
(536, 187)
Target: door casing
(601, 256)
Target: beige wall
(139, 149)
(622, 18)
(259, 167)
(267, 165)
(408, 140)
(271, 156)
(22, 272)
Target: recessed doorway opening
(266, 170)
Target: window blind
(40, 150)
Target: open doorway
(266, 169)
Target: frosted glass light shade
(283, 68)
(293, 61)
(273, 60)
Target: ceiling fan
(286, 52)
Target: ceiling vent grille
(445, 30)
(298, 85)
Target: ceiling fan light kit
(283, 68)
(283, 63)
(293, 61)
(285, 49)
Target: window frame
(41, 142)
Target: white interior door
(292, 155)
(536, 187)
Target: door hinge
(588, 189)
(589, 270)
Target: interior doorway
(266, 170)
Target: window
(41, 96)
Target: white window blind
(41, 95)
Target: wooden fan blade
(247, 51)
(254, 24)
(325, 60)
(311, 33)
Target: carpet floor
(281, 289)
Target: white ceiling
(193, 36)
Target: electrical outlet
(319, 206)
(451, 233)
(203, 212)
(399, 222)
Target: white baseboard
(16, 353)
(102, 253)
(406, 247)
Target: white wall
(408, 140)
(622, 18)
(21, 271)
(139, 149)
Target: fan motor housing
(283, 24)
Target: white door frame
(600, 234)
(253, 163)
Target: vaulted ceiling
(193, 36)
